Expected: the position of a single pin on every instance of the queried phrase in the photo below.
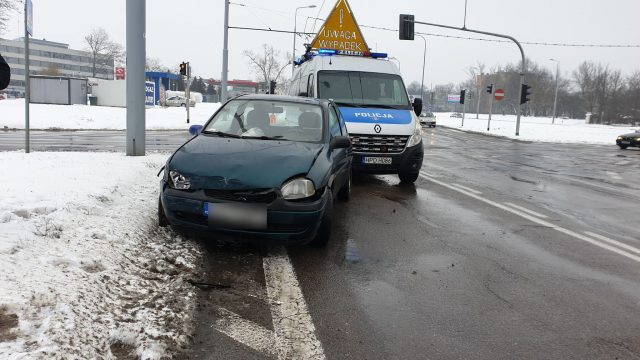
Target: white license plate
(377, 160)
(236, 216)
(625, 142)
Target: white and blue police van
(381, 120)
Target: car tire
(345, 193)
(408, 178)
(324, 231)
(162, 217)
(623, 147)
(183, 105)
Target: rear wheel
(324, 232)
(408, 178)
(183, 105)
(162, 217)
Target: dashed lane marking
(295, 334)
(467, 189)
(613, 242)
(531, 212)
(535, 219)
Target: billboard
(120, 73)
(453, 98)
(150, 94)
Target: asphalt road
(502, 250)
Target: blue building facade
(168, 80)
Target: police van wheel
(408, 177)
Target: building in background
(238, 87)
(46, 57)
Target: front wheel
(324, 232)
(162, 217)
(345, 193)
(623, 147)
(408, 178)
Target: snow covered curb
(75, 117)
(86, 273)
(570, 131)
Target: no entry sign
(499, 95)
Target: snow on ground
(538, 128)
(85, 117)
(86, 273)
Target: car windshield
(264, 119)
(363, 89)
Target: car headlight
(299, 188)
(178, 181)
(638, 139)
(416, 137)
(619, 137)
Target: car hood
(213, 162)
(634, 135)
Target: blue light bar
(327, 52)
(379, 55)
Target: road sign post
(28, 31)
(136, 54)
(490, 106)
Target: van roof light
(375, 55)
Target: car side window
(334, 123)
(310, 92)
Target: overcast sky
(192, 30)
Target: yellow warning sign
(341, 32)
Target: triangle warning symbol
(341, 32)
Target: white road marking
(526, 210)
(535, 220)
(246, 332)
(614, 175)
(467, 188)
(613, 242)
(295, 334)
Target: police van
(382, 122)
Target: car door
(340, 158)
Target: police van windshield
(363, 89)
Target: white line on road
(535, 220)
(246, 332)
(526, 210)
(295, 334)
(614, 242)
(467, 188)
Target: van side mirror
(339, 142)
(417, 106)
(195, 129)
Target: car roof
(287, 98)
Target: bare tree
(104, 50)
(154, 64)
(268, 64)
(51, 70)
(6, 7)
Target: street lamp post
(555, 100)
(295, 24)
(424, 64)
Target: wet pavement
(502, 249)
(493, 254)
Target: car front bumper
(408, 161)
(287, 222)
(628, 142)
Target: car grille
(262, 196)
(379, 143)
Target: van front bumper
(409, 161)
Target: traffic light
(406, 27)
(183, 69)
(490, 89)
(462, 94)
(524, 96)
(272, 87)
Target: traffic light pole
(490, 106)
(225, 54)
(522, 71)
(187, 91)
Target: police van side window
(334, 124)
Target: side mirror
(303, 94)
(339, 142)
(195, 129)
(417, 106)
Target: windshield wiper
(263, 137)
(382, 106)
(339, 103)
(221, 133)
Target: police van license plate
(377, 160)
(625, 142)
(236, 216)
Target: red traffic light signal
(490, 89)
(183, 69)
(462, 95)
(525, 93)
